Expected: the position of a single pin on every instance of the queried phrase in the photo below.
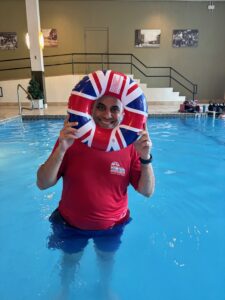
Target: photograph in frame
(50, 37)
(8, 40)
(147, 38)
(1, 93)
(185, 38)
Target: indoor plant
(35, 94)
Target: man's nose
(107, 113)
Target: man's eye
(100, 107)
(115, 109)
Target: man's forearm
(47, 173)
(146, 184)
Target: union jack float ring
(110, 83)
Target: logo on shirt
(116, 169)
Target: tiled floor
(11, 111)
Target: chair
(182, 108)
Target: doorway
(96, 40)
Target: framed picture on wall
(147, 38)
(185, 38)
(8, 40)
(50, 37)
(1, 93)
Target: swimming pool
(174, 247)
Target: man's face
(107, 112)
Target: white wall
(58, 88)
(9, 90)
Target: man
(94, 200)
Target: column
(36, 54)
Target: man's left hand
(144, 144)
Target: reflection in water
(73, 241)
(69, 268)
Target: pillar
(36, 54)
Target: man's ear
(92, 107)
(122, 116)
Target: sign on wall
(50, 37)
(145, 38)
(185, 38)
(8, 40)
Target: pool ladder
(205, 114)
(19, 86)
(201, 115)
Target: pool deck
(56, 111)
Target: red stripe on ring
(119, 140)
(133, 119)
(134, 87)
(83, 137)
(80, 104)
(95, 76)
(102, 143)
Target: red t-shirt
(95, 185)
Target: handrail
(194, 86)
(18, 99)
(133, 62)
(19, 68)
(172, 69)
(15, 59)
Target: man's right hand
(67, 135)
(47, 173)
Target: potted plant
(35, 94)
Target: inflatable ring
(110, 83)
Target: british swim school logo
(116, 169)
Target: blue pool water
(173, 249)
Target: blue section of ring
(80, 119)
(85, 87)
(130, 80)
(139, 104)
(128, 135)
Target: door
(96, 40)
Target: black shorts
(71, 239)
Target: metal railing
(109, 61)
(19, 86)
